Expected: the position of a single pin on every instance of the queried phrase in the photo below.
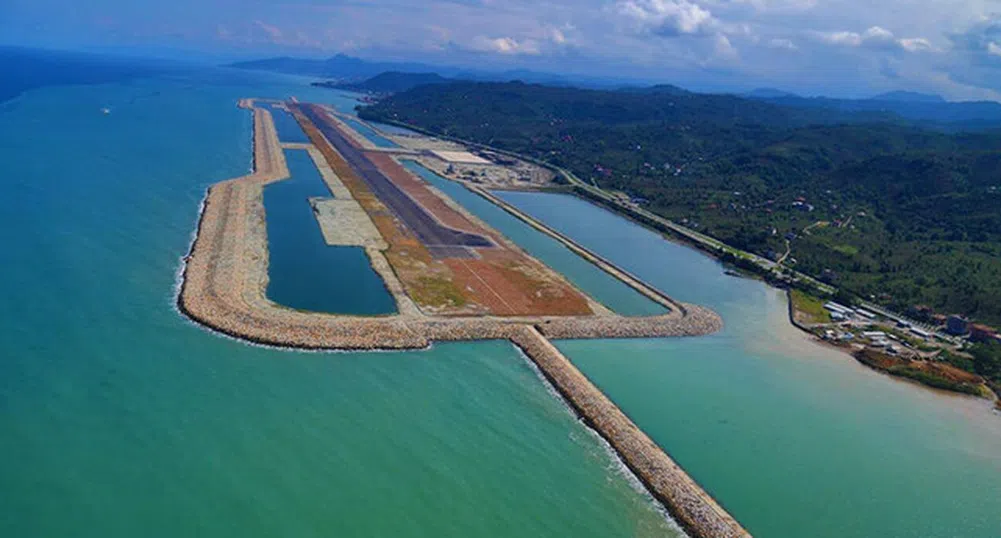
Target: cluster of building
(956, 325)
(892, 341)
(841, 312)
(976, 332)
(900, 339)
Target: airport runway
(442, 241)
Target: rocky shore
(223, 287)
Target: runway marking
(487, 286)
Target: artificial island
(451, 275)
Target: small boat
(106, 111)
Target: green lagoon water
(119, 418)
(793, 438)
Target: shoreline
(716, 252)
(221, 289)
(986, 394)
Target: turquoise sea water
(304, 272)
(793, 438)
(607, 290)
(120, 418)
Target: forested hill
(390, 82)
(916, 107)
(870, 202)
(535, 106)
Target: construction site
(452, 277)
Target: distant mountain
(343, 68)
(659, 89)
(390, 82)
(347, 69)
(909, 106)
(767, 93)
(908, 97)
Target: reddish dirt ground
(503, 281)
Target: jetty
(225, 276)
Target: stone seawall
(223, 287)
(688, 503)
(626, 277)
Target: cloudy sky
(839, 47)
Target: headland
(451, 275)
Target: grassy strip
(810, 306)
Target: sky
(849, 48)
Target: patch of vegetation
(847, 250)
(437, 291)
(930, 379)
(934, 375)
(810, 305)
(987, 362)
(963, 363)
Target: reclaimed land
(223, 287)
(442, 272)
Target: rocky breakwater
(687, 502)
(225, 278)
(225, 273)
(695, 321)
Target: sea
(121, 418)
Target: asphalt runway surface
(443, 242)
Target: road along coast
(223, 287)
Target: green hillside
(892, 210)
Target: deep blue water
(288, 129)
(304, 272)
(366, 131)
(25, 69)
(391, 129)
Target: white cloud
(851, 39)
(915, 44)
(668, 17)
(674, 39)
(877, 37)
(505, 45)
(878, 34)
(767, 5)
(724, 49)
(784, 44)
